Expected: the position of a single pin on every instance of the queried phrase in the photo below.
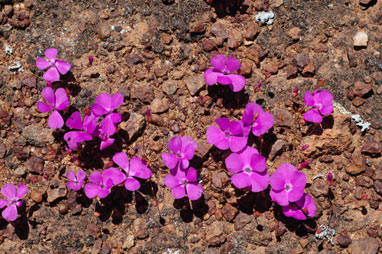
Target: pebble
(360, 39)
(229, 212)
(361, 89)
(252, 31)
(218, 179)
(366, 246)
(291, 72)
(294, 33)
(358, 101)
(372, 148)
(241, 220)
(28, 102)
(219, 30)
(344, 240)
(36, 195)
(63, 208)
(56, 193)
(309, 69)
(234, 38)
(208, 45)
(194, 83)
(35, 164)
(169, 87)
(246, 68)
(301, 60)
(38, 135)
(129, 242)
(159, 105)
(378, 186)
(354, 169)
(352, 58)
(104, 31)
(20, 171)
(140, 226)
(319, 188)
(365, 2)
(197, 27)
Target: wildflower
(13, 201)
(75, 181)
(301, 208)
(135, 168)
(56, 101)
(100, 184)
(229, 134)
(256, 119)
(184, 182)
(86, 129)
(287, 184)
(249, 169)
(183, 148)
(322, 103)
(57, 67)
(221, 73)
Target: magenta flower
(100, 184)
(13, 201)
(254, 117)
(183, 148)
(184, 182)
(75, 181)
(221, 73)
(287, 184)
(302, 207)
(135, 168)
(56, 101)
(249, 169)
(322, 103)
(86, 129)
(57, 67)
(229, 134)
(103, 132)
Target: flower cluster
(288, 186)
(100, 183)
(13, 200)
(322, 103)
(182, 179)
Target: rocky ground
(154, 52)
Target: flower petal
(71, 175)
(313, 116)
(178, 192)
(139, 169)
(194, 191)
(114, 174)
(74, 121)
(74, 186)
(96, 177)
(293, 211)
(106, 143)
(280, 197)
(234, 163)
(108, 127)
(51, 54)
(122, 160)
(9, 191)
(62, 100)
(55, 120)
(116, 117)
(43, 107)
(323, 97)
(218, 62)
(214, 135)
(308, 99)
(10, 213)
(326, 109)
(105, 101)
(264, 123)
(171, 181)
(191, 175)
(259, 181)
(62, 66)
(241, 180)
(22, 190)
(258, 163)
(224, 79)
(237, 82)
(98, 110)
(81, 175)
(4, 203)
(223, 123)
(211, 76)
(116, 101)
(48, 94)
(51, 75)
(42, 63)
(175, 144)
(132, 184)
(91, 190)
(236, 128)
(170, 159)
(237, 144)
(249, 112)
(232, 64)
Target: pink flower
(229, 134)
(75, 182)
(86, 129)
(256, 119)
(13, 201)
(249, 169)
(302, 207)
(184, 182)
(287, 184)
(322, 103)
(100, 184)
(57, 67)
(183, 148)
(221, 73)
(56, 101)
(135, 168)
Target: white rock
(360, 39)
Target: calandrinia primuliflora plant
(56, 67)
(322, 103)
(13, 200)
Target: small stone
(56, 193)
(20, 171)
(350, 94)
(36, 195)
(104, 31)
(364, 2)
(140, 226)
(38, 135)
(229, 212)
(160, 72)
(354, 169)
(133, 59)
(301, 60)
(241, 220)
(246, 68)
(277, 148)
(159, 105)
(134, 125)
(309, 70)
(63, 208)
(28, 102)
(366, 246)
(378, 186)
(208, 45)
(214, 233)
(252, 31)
(166, 38)
(352, 58)
(219, 30)
(358, 101)
(344, 240)
(291, 72)
(8, 10)
(319, 187)
(234, 38)
(35, 164)
(197, 27)
(360, 39)
(29, 80)
(272, 67)
(373, 148)
(294, 33)
(218, 179)
(169, 87)
(129, 242)
(194, 83)
(361, 89)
